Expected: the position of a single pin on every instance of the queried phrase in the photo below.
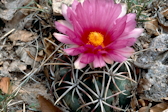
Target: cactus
(104, 89)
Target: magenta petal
(64, 11)
(102, 16)
(130, 41)
(78, 64)
(63, 38)
(87, 58)
(135, 33)
(119, 28)
(107, 59)
(129, 26)
(117, 57)
(107, 21)
(63, 28)
(65, 23)
(74, 4)
(98, 61)
(131, 16)
(116, 45)
(126, 52)
(123, 11)
(76, 26)
(121, 43)
(74, 51)
(131, 23)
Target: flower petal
(117, 57)
(131, 16)
(116, 31)
(64, 11)
(135, 33)
(130, 25)
(126, 52)
(63, 28)
(78, 64)
(87, 58)
(123, 11)
(65, 23)
(98, 61)
(107, 59)
(117, 28)
(74, 4)
(130, 22)
(74, 51)
(121, 55)
(63, 38)
(66, 28)
(121, 43)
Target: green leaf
(143, 20)
(2, 98)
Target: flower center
(96, 38)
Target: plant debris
(5, 85)
(22, 35)
(47, 106)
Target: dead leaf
(152, 26)
(165, 98)
(163, 16)
(165, 13)
(143, 103)
(41, 53)
(29, 92)
(22, 53)
(143, 85)
(1, 63)
(165, 110)
(23, 111)
(47, 106)
(22, 35)
(5, 85)
(5, 67)
(17, 66)
(46, 73)
(144, 109)
(38, 58)
(159, 107)
(165, 28)
(19, 111)
(134, 103)
(11, 6)
(49, 47)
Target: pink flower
(99, 31)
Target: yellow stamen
(95, 38)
